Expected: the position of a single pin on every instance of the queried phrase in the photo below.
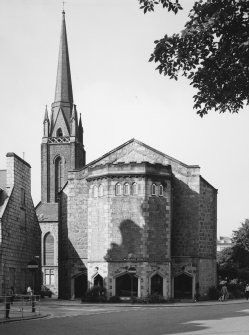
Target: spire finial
(63, 9)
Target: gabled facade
(137, 207)
(133, 208)
(20, 235)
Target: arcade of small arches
(128, 189)
(124, 285)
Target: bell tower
(62, 150)
(62, 146)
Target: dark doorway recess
(183, 287)
(98, 281)
(123, 285)
(156, 284)
(80, 286)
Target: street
(104, 319)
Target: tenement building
(133, 210)
(20, 234)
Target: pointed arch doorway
(124, 284)
(183, 286)
(80, 285)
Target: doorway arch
(156, 284)
(80, 285)
(183, 286)
(98, 280)
(126, 285)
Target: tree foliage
(148, 5)
(241, 245)
(227, 268)
(212, 52)
(234, 262)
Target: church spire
(63, 90)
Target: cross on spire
(63, 4)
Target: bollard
(33, 304)
(7, 310)
(7, 306)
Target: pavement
(17, 315)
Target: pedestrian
(7, 304)
(247, 291)
(12, 293)
(29, 290)
(224, 293)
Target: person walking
(224, 293)
(247, 291)
(7, 304)
(29, 290)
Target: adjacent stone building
(133, 209)
(20, 235)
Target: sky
(117, 91)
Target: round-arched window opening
(59, 132)
(101, 190)
(153, 189)
(95, 191)
(134, 189)
(126, 189)
(118, 189)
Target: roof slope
(136, 151)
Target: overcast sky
(118, 92)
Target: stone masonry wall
(21, 235)
(207, 274)
(208, 220)
(128, 227)
(185, 226)
(73, 233)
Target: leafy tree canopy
(233, 262)
(241, 244)
(212, 51)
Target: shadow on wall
(145, 236)
(72, 267)
(185, 220)
(131, 241)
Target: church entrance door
(80, 286)
(156, 284)
(124, 284)
(183, 285)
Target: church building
(135, 221)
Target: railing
(56, 140)
(19, 306)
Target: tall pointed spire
(63, 90)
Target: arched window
(48, 249)
(118, 189)
(95, 191)
(59, 133)
(134, 189)
(161, 190)
(101, 190)
(98, 281)
(153, 189)
(59, 176)
(126, 189)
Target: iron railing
(19, 306)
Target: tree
(227, 268)
(233, 262)
(212, 52)
(241, 245)
(148, 5)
